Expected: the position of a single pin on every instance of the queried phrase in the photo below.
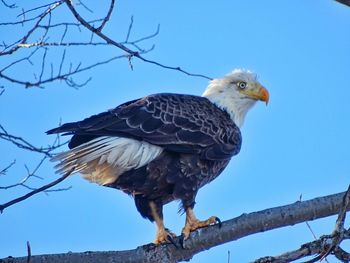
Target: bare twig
(79, 2)
(129, 29)
(107, 17)
(26, 178)
(310, 229)
(65, 77)
(29, 252)
(134, 43)
(21, 22)
(63, 24)
(30, 174)
(25, 12)
(61, 44)
(95, 30)
(312, 232)
(40, 17)
(8, 5)
(27, 58)
(38, 190)
(307, 223)
(24, 144)
(4, 170)
(123, 47)
(314, 236)
(30, 32)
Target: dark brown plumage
(179, 123)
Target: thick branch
(316, 247)
(236, 228)
(322, 247)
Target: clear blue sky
(298, 145)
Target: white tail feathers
(104, 159)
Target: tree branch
(317, 247)
(4, 170)
(24, 39)
(123, 47)
(41, 189)
(339, 231)
(59, 35)
(107, 17)
(24, 144)
(30, 174)
(42, 44)
(8, 5)
(206, 238)
(322, 247)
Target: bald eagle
(164, 147)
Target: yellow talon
(192, 223)
(164, 236)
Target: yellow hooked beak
(258, 93)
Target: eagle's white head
(236, 93)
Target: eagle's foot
(193, 224)
(164, 235)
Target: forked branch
(322, 247)
(40, 21)
(35, 191)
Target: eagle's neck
(233, 103)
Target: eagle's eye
(242, 85)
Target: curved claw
(172, 241)
(163, 236)
(218, 221)
(181, 241)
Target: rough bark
(233, 229)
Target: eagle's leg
(153, 210)
(192, 223)
(163, 235)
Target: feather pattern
(104, 159)
(176, 122)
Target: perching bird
(164, 147)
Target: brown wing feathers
(179, 123)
